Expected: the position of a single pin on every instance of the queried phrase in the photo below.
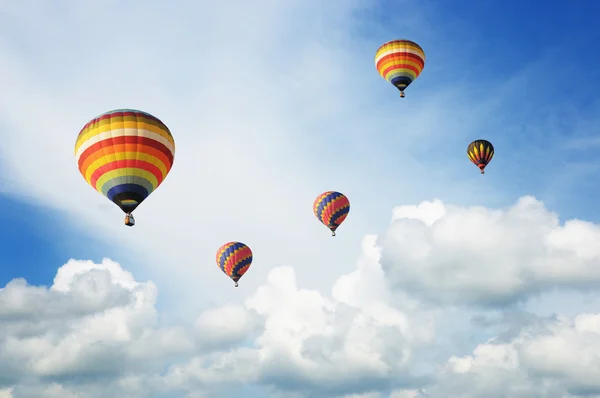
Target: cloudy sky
(440, 283)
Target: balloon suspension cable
(401, 94)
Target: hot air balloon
(400, 62)
(480, 152)
(234, 259)
(331, 208)
(125, 155)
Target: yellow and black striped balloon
(480, 152)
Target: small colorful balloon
(331, 208)
(400, 62)
(480, 152)
(125, 154)
(234, 259)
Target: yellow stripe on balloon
(96, 136)
(125, 172)
(113, 157)
(119, 122)
(394, 62)
(398, 50)
(403, 47)
(112, 124)
(403, 72)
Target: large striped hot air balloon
(480, 152)
(400, 62)
(331, 208)
(125, 155)
(234, 259)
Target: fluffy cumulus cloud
(553, 358)
(98, 325)
(487, 256)
(96, 331)
(355, 339)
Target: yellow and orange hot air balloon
(400, 62)
(480, 152)
(125, 155)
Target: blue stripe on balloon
(401, 81)
(339, 213)
(241, 265)
(127, 188)
(325, 201)
(228, 252)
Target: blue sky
(271, 104)
(32, 238)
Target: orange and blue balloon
(400, 62)
(234, 259)
(331, 208)
(125, 154)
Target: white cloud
(96, 331)
(488, 256)
(98, 323)
(316, 344)
(555, 358)
(6, 393)
(405, 394)
(82, 324)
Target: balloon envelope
(480, 152)
(125, 154)
(400, 62)
(331, 208)
(234, 259)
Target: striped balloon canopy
(234, 259)
(125, 155)
(480, 153)
(400, 62)
(331, 208)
